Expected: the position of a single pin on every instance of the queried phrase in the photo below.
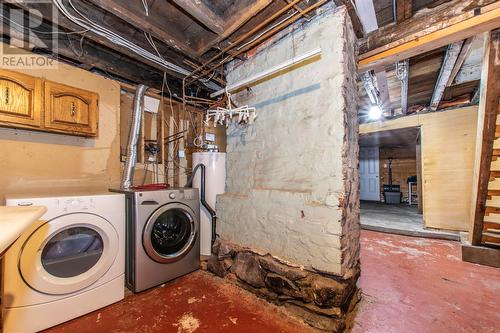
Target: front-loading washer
(163, 240)
(69, 263)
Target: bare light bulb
(375, 112)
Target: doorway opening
(390, 183)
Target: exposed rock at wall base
(323, 301)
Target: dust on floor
(196, 303)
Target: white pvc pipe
(267, 72)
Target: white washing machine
(70, 263)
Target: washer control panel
(76, 204)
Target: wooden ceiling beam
(404, 10)
(91, 56)
(45, 9)
(236, 19)
(460, 60)
(368, 18)
(450, 58)
(351, 9)
(297, 7)
(203, 14)
(119, 9)
(447, 23)
(402, 73)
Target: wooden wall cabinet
(20, 100)
(31, 103)
(70, 110)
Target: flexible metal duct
(133, 137)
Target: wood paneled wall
(447, 144)
(404, 165)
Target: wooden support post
(487, 115)
(447, 66)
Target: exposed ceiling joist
(203, 14)
(297, 7)
(46, 9)
(366, 11)
(402, 73)
(404, 10)
(122, 10)
(369, 82)
(91, 56)
(385, 100)
(447, 66)
(449, 22)
(244, 12)
(460, 60)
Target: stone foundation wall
(322, 301)
(292, 191)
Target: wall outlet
(182, 154)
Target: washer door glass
(72, 252)
(68, 253)
(169, 233)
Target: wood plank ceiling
(185, 33)
(210, 33)
(452, 80)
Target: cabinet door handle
(7, 95)
(72, 109)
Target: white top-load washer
(69, 263)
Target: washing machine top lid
(91, 202)
(58, 194)
(140, 189)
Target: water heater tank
(215, 181)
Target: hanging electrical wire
(92, 26)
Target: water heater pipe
(133, 137)
(202, 197)
(273, 70)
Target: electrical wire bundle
(90, 25)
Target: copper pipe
(244, 36)
(269, 33)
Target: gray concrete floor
(399, 219)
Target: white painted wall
(286, 179)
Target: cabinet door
(20, 100)
(70, 110)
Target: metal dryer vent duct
(133, 137)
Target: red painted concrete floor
(421, 285)
(198, 302)
(409, 285)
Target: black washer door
(169, 233)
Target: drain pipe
(133, 137)
(202, 197)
